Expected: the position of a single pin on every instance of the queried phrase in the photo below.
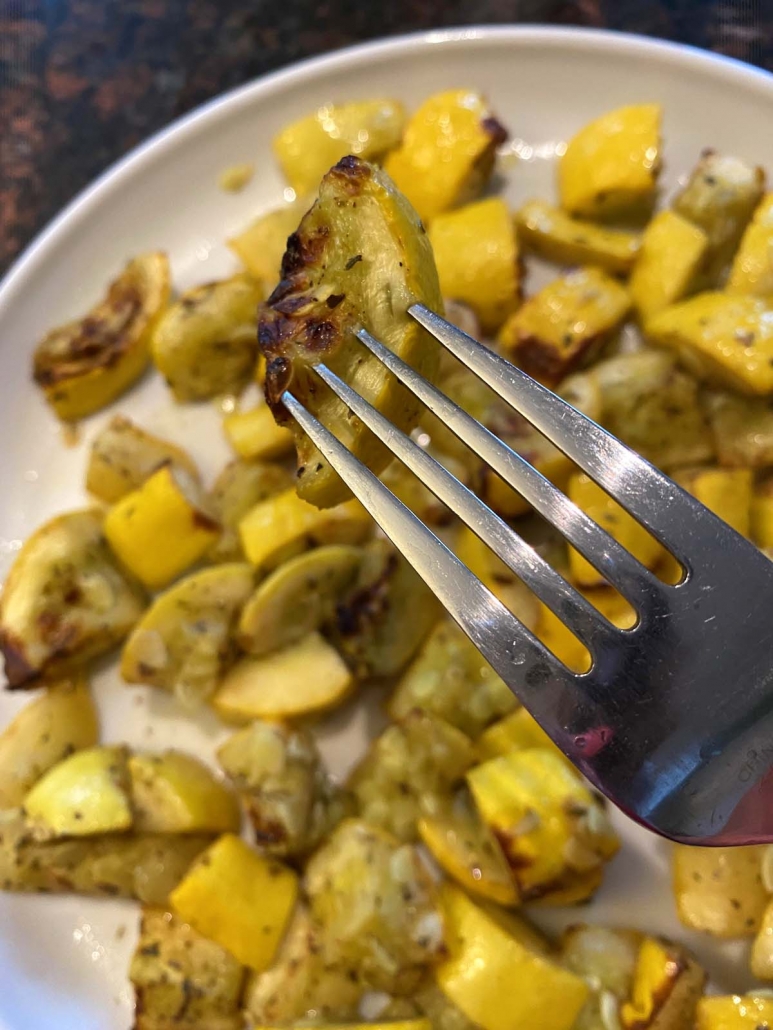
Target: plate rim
(25, 264)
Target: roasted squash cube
(611, 165)
(290, 800)
(254, 434)
(304, 678)
(600, 507)
(667, 986)
(410, 771)
(742, 429)
(551, 828)
(65, 600)
(606, 959)
(385, 616)
(359, 259)
(283, 525)
(653, 406)
(297, 598)
(752, 269)
(476, 255)
(447, 153)
(184, 641)
(159, 530)
(204, 345)
(181, 979)
(82, 795)
(176, 793)
(86, 364)
(725, 339)
(123, 456)
(516, 731)
(720, 198)
(376, 906)
(449, 678)
(467, 851)
(557, 237)
(61, 721)
(672, 250)
(238, 899)
(734, 1012)
(720, 890)
(497, 978)
(239, 487)
(261, 245)
(306, 149)
(564, 323)
(726, 492)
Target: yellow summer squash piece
(726, 492)
(564, 323)
(86, 364)
(553, 831)
(185, 639)
(159, 530)
(667, 986)
(301, 984)
(57, 723)
(182, 980)
(651, 404)
(672, 250)
(123, 456)
(297, 598)
(557, 237)
(725, 339)
(84, 794)
(497, 978)
(308, 148)
(358, 883)
(306, 677)
(64, 601)
(467, 851)
(476, 254)
(239, 899)
(720, 198)
(752, 268)
(360, 244)
(447, 153)
(450, 678)
(261, 245)
(600, 507)
(610, 167)
(720, 890)
(517, 731)
(204, 345)
(239, 487)
(734, 1012)
(254, 434)
(283, 525)
(176, 793)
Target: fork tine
(617, 565)
(647, 494)
(502, 638)
(551, 588)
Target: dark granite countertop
(83, 81)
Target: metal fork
(674, 720)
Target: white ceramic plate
(63, 961)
